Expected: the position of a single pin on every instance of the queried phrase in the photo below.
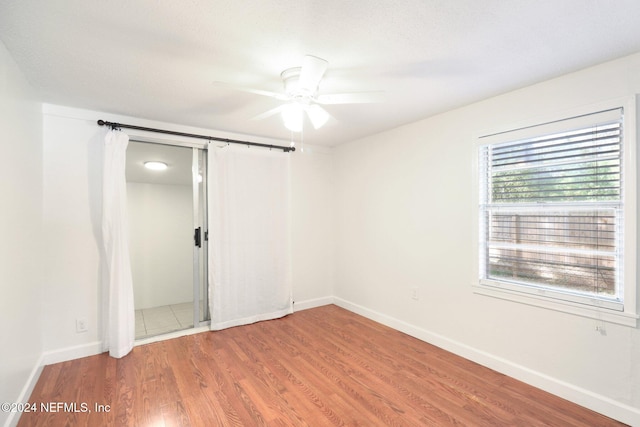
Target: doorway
(166, 204)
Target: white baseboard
(70, 353)
(312, 303)
(26, 391)
(596, 402)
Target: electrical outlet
(81, 325)
(414, 293)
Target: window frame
(539, 296)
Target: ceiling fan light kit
(292, 116)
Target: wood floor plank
(320, 367)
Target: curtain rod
(192, 135)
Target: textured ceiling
(159, 59)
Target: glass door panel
(165, 206)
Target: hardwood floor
(324, 366)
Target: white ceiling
(159, 59)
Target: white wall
(72, 229)
(161, 243)
(404, 219)
(72, 206)
(312, 226)
(20, 232)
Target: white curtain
(118, 308)
(249, 238)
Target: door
(168, 236)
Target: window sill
(602, 314)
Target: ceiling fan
(301, 95)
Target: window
(552, 217)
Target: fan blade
(269, 113)
(317, 115)
(351, 98)
(311, 73)
(275, 95)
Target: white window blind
(551, 209)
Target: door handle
(197, 237)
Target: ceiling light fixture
(292, 116)
(156, 166)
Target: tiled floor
(161, 320)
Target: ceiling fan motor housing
(291, 79)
